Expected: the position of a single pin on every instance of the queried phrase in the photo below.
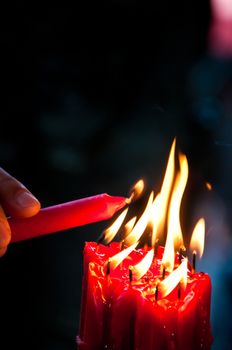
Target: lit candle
(197, 242)
(129, 303)
(136, 318)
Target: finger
(15, 198)
(5, 233)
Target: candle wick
(179, 290)
(108, 268)
(122, 245)
(131, 274)
(101, 238)
(194, 262)
(163, 272)
(149, 239)
(156, 247)
(182, 253)
(156, 292)
(107, 308)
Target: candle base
(135, 317)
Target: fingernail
(26, 199)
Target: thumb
(15, 198)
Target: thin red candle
(65, 216)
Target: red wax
(194, 314)
(67, 215)
(177, 324)
(120, 315)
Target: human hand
(16, 201)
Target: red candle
(67, 215)
(176, 323)
(164, 304)
(134, 317)
(103, 291)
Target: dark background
(92, 96)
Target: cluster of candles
(135, 297)
(147, 297)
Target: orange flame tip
(136, 191)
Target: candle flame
(119, 257)
(140, 269)
(129, 226)
(208, 186)
(164, 208)
(174, 235)
(166, 188)
(136, 191)
(155, 218)
(198, 238)
(179, 275)
(111, 231)
(141, 224)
